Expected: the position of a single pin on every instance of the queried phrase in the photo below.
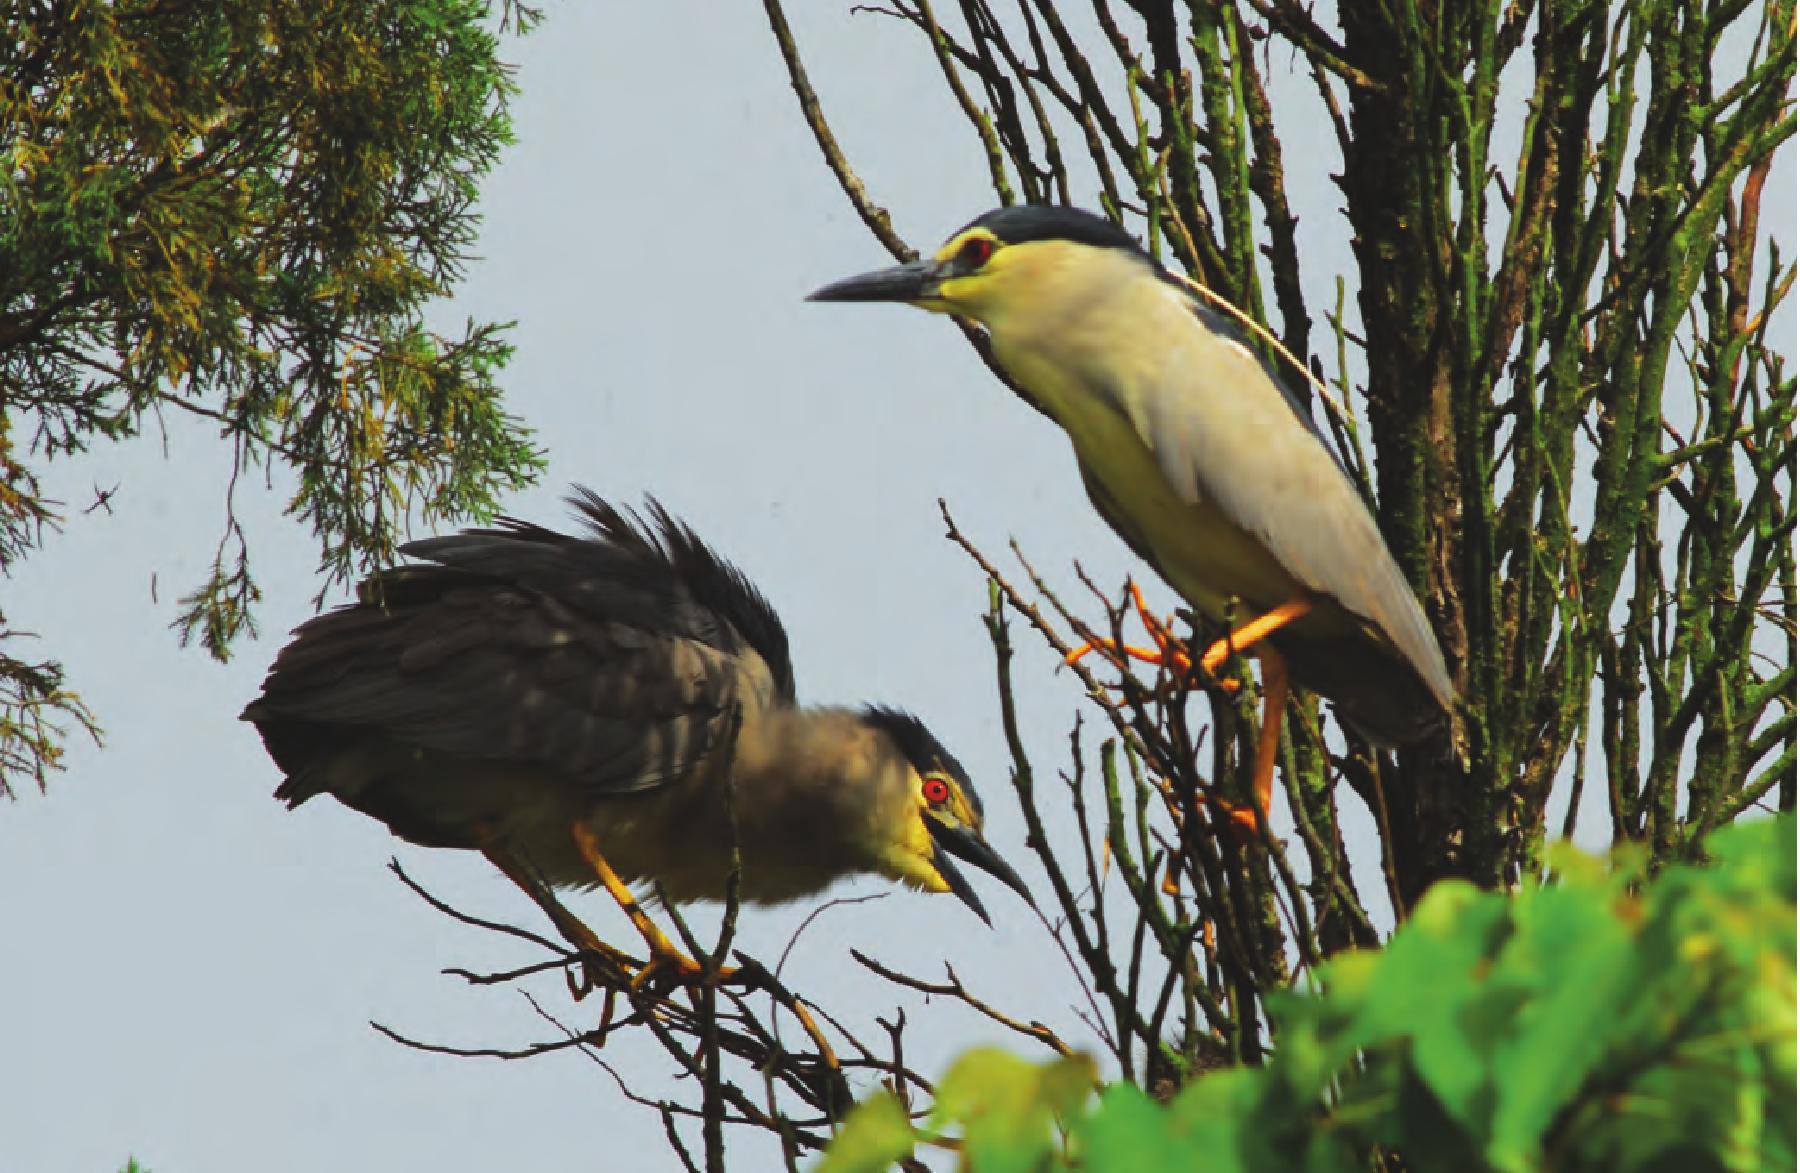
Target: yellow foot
(1169, 651)
(602, 966)
(667, 966)
(1241, 819)
(676, 970)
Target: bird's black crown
(1027, 222)
(926, 753)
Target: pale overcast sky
(190, 968)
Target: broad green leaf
(873, 1138)
(1574, 958)
(1006, 1106)
(1422, 989)
(1129, 1131)
(1603, 1021)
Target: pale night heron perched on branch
(608, 709)
(1200, 455)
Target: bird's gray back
(1124, 357)
(615, 660)
(1283, 485)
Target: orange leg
(602, 961)
(1250, 634)
(664, 956)
(1251, 637)
(1268, 743)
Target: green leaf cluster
(1601, 1020)
(241, 212)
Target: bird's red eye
(977, 251)
(937, 791)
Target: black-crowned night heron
(1197, 452)
(608, 709)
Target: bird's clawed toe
(1169, 651)
(676, 970)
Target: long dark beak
(913, 281)
(967, 845)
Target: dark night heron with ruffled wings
(611, 709)
(1197, 452)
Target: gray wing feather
(592, 658)
(1283, 485)
(483, 672)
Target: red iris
(976, 253)
(937, 791)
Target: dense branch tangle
(763, 1057)
(1173, 973)
(1581, 424)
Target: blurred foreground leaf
(1597, 1021)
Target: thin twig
(953, 987)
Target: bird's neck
(1073, 336)
(820, 776)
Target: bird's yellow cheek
(915, 872)
(958, 295)
(909, 860)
